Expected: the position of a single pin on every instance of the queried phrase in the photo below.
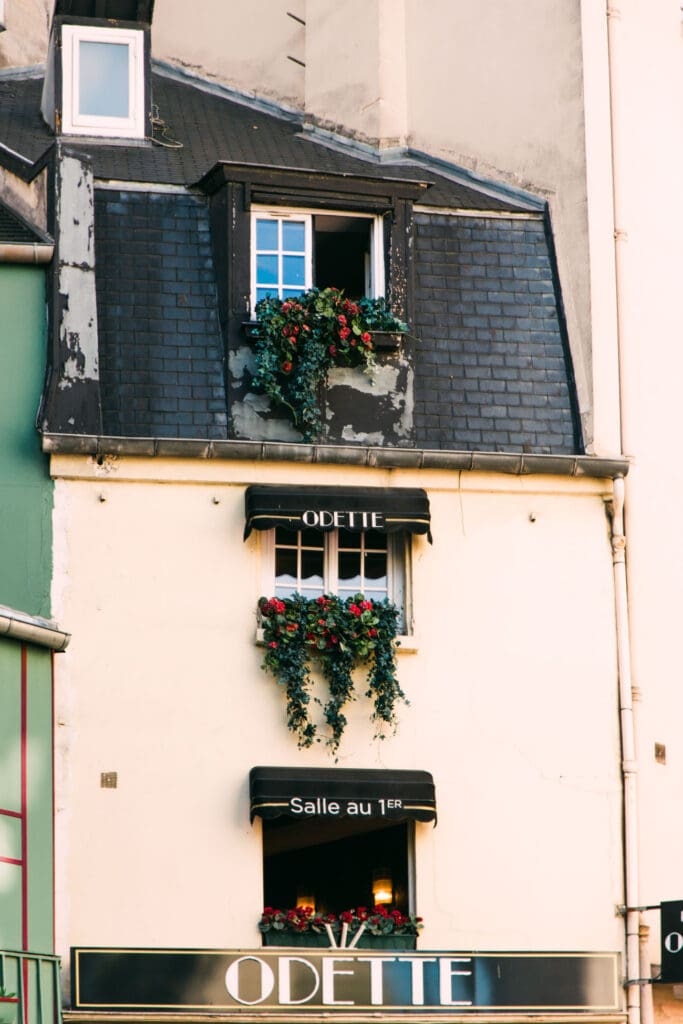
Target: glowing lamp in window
(382, 887)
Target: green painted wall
(39, 800)
(25, 486)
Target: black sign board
(672, 941)
(341, 792)
(292, 981)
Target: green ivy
(300, 340)
(340, 635)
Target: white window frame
(375, 272)
(75, 123)
(398, 569)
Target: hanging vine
(301, 339)
(338, 636)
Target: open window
(340, 838)
(333, 866)
(293, 251)
(103, 81)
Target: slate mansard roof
(492, 370)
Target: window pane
(312, 539)
(285, 536)
(376, 569)
(312, 569)
(266, 234)
(293, 270)
(293, 235)
(291, 293)
(349, 569)
(376, 541)
(266, 269)
(285, 564)
(103, 84)
(264, 293)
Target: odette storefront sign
(342, 982)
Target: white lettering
(338, 518)
(333, 807)
(673, 943)
(351, 808)
(377, 520)
(310, 518)
(295, 805)
(376, 987)
(417, 977)
(232, 980)
(325, 518)
(329, 973)
(284, 979)
(446, 975)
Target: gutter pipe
(33, 252)
(32, 630)
(629, 764)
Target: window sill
(407, 644)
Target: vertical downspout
(629, 766)
(639, 1010)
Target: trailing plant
(377, 920)
(340, 634)
(300, 340)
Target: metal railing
(29, 988)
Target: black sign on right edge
(672, 942)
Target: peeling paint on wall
(77, 311)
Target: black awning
(387, 509)
(333, 793)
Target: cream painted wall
(512, 690)
(24, 40)
(247, 45)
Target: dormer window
(103, 81)
(294, 250)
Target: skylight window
(103, 76)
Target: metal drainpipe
(629, 766)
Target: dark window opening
(335, 864)
(341, 254)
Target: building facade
(483, 777)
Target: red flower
(285, 330)
(372, 632)
(272, 644)
(346, 916)
(366, 606)
(342, 320)
(344, 333)
(366, 337)
(353, 342)
(332, 350)
(286, 367)
(354, 609)
(291, 627)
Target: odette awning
(387, 509)
(332, 793)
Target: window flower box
(324, 369)
(312, 940)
